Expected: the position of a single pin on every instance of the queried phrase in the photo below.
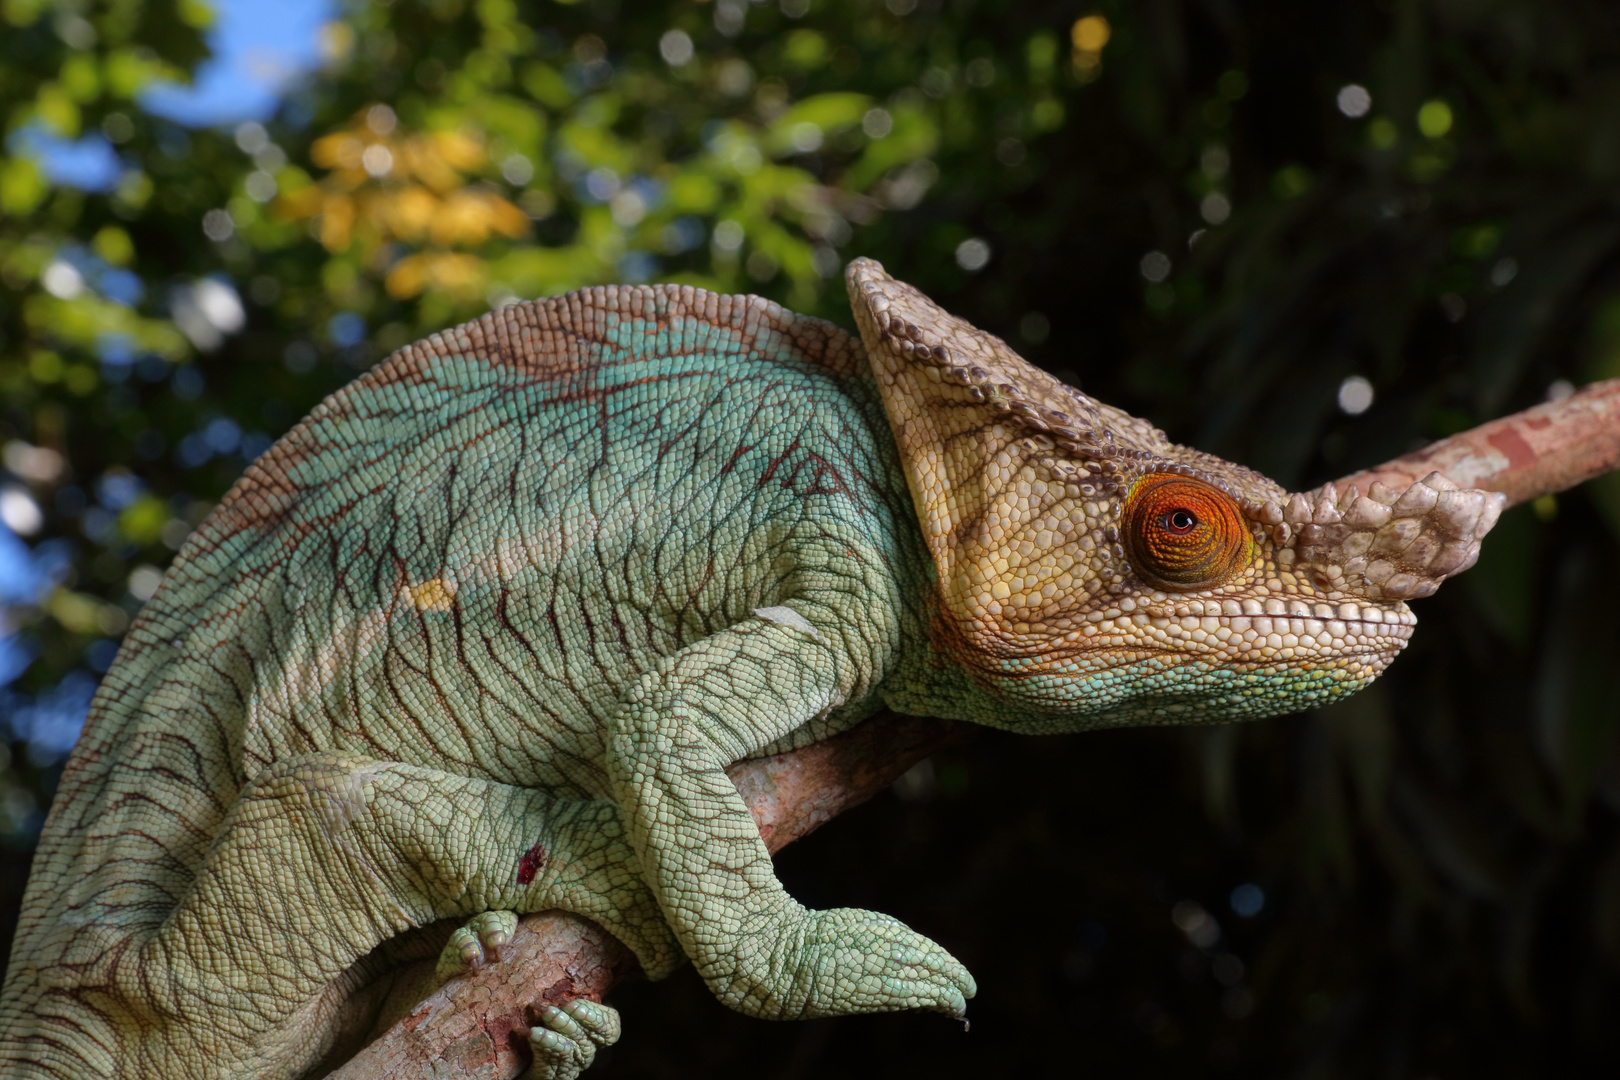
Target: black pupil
(1181, 521)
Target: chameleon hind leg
(325, 856)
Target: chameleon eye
(1181, 534)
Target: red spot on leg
(531, 863)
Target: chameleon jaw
(1233, 629)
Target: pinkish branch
(1535, 452)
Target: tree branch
(1531, 453)
(477, 1024)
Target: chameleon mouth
(1292, 628)
(1285, 637)
(1297, 609)
(1256, 640)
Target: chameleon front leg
(325, 856)
(759, 950)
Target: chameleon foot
(475, 941)
(567, 1044)
(842, 961)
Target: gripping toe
(479, 939)
(566, 1044)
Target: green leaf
(22, 186)
(915, 135)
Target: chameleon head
(1093, 573)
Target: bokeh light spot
(973, 254)
(1434, 118)
(1155, 266)
(1355, 395)
(676, 47)
(1090, 33)
(1247, 900)
(1354, 100)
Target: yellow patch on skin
(434, 594)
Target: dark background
(1436, 863)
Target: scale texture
(481, 635)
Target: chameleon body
(481, 634)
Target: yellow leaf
(470, 215)
(337, 221)
(459, 149)
(446, 271)
(300, 204)
(1091, 33)
(508, 219)
(424, 158)
(408, 277)
(340, 150)
(409, 212)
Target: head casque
(1095, 573)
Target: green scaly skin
(481, 635)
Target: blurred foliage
(1234, 217)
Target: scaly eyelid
(1207, 552)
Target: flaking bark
(476, 1025)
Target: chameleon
(480, 635)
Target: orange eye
(1181, 534)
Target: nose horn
(1386, 544)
